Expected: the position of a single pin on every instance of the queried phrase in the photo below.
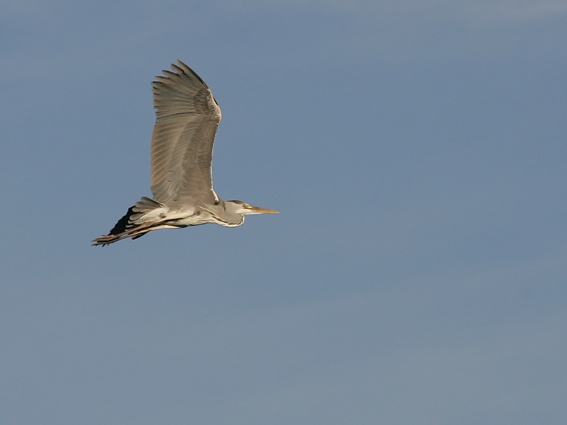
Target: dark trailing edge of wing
(124, 224)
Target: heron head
(245, 209)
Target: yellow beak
(257, 210)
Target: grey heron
(187, 118)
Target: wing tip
(185, 69)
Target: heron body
(187, 118)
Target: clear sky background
(416, 274)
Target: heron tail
(131, 225)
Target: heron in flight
(187, 118)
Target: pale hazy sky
(417, 271)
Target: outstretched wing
(182, 143)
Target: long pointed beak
(257, 210)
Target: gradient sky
(416, 274)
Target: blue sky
(415, 275)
